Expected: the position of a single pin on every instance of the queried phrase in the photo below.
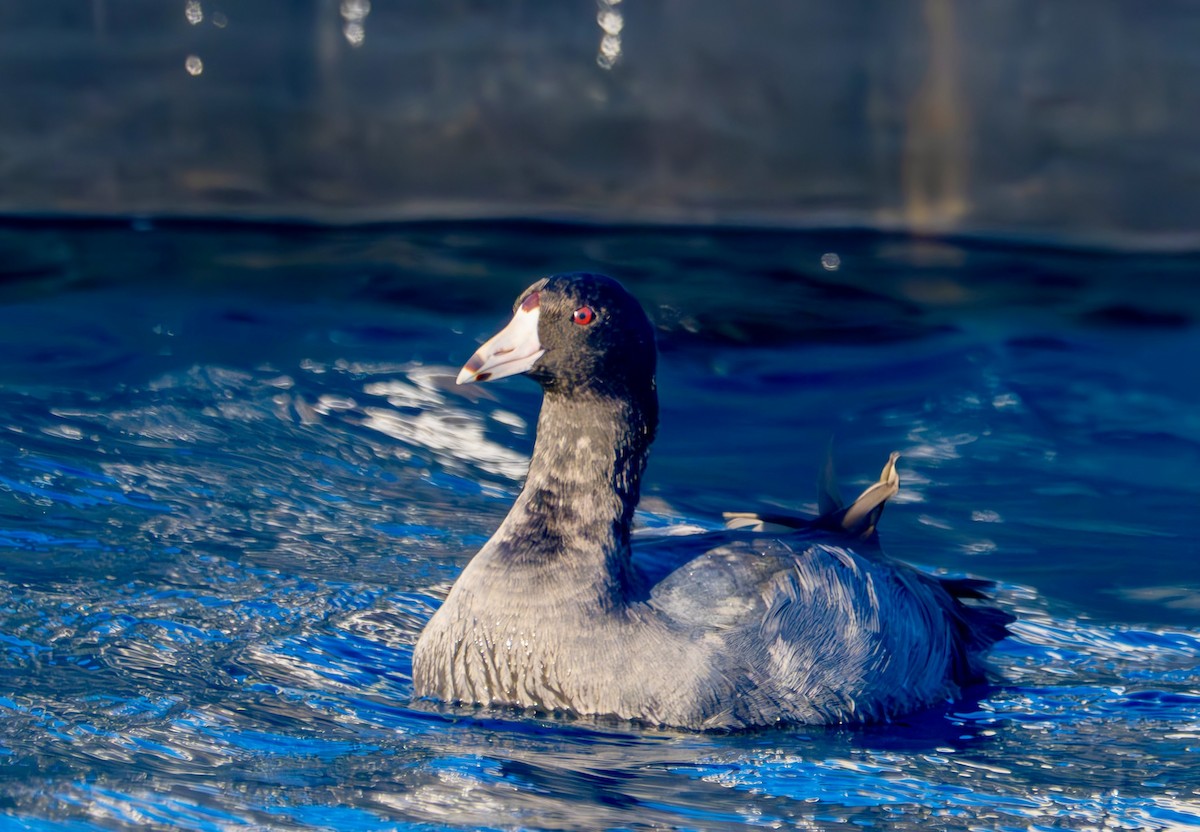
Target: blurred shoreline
(1072, 122)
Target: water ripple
(225, 518)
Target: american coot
(780, 621)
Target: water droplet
(830, 261)
(193, 65)
(193, 12)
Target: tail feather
(987, 625)
(979, 626)
(829, 501)
(765, 522)
(859, 519)
(975, 588)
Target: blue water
(236, 478)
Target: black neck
(572, 520)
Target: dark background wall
(1067, 119)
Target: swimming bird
(777, 620)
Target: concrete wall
(1068, 119)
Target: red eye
(584, 315)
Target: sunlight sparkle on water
(214, 563)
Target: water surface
(236, 478)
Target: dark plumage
(807, 623)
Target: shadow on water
(236, 478)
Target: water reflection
(194, 12)
(354, 19)
(611, 22)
